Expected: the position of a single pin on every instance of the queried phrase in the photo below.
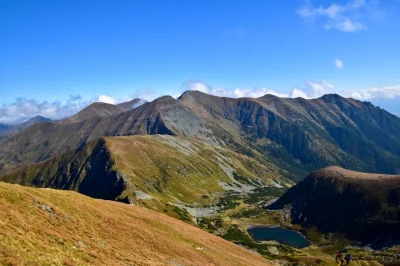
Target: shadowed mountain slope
(365, 207)
(297, 135)
(45, 226)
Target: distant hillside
(8, 130)
(365, 207)
(96, 109)
(52, 227)
(99, 109)
(175, 174)
(296, 135)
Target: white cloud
(339, 64)
(338, 17)
(295, 93)
(345, 25)
(24, 109)
(391, 92)
(195, 85)
(144, 94)
(106, 99)
(311, 90)
(233, 93)
(317, 89)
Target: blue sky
(58, 56)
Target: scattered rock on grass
(44, 207)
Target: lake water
(279, 234)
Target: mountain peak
(132, 104)
(165, 99)
(192, 93)
(96, 109)
(38, 118)
(331, 97)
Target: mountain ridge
(295, 134)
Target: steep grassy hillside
(176, 175)
(364, 207)
(52, 227)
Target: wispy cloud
(106, 99)
(234, 93)
(23, 109)
(146, 94)
(311, 90)
(336, 16)
(339, 64)
(390, 92)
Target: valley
(228, 166)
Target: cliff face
(87, 170)
(365, 207)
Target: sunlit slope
(180, 169)
(159, 171)
(54, 227)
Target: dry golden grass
(86, 231)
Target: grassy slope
(171, 170)
(88, 231)
(185, 169)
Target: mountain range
(296, 135)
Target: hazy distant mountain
(296, 135)
(5, 127)
(8, 130)
(363, 206)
